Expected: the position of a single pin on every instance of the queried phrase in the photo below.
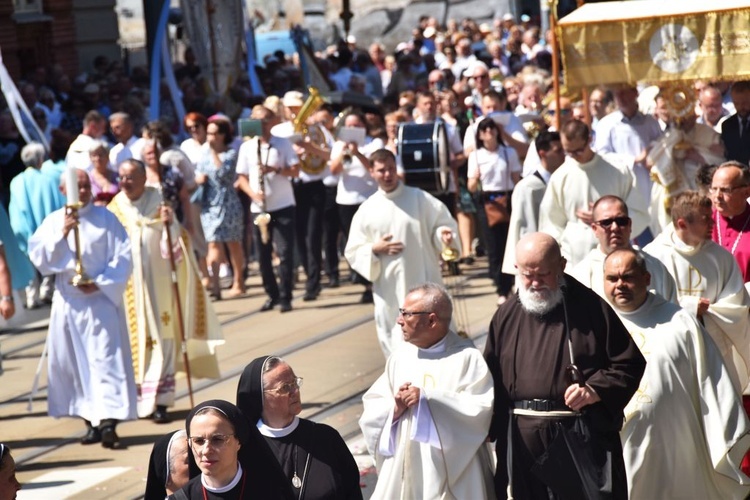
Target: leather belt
(540, 405)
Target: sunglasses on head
(621, 221)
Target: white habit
(90, 371)
(685, 431)
(590, 272)
(574, 186)
(438, 448)
(709, 271)
(414, 218)
(524, 216)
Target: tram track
(326, 411)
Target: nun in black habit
(234, 461)
(170, 466)
(315, 459)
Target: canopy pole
(555, 62)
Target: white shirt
(278, 153)
(355, 182)
(494, 168)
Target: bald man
(547, 375)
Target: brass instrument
(80, 277)
(264, 218)
(309, 164)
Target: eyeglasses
(288, 388)
(193, 128)
(217, 441)
(724, 191)
(408, 314)
(482, 76)
(129, 177)
(620, 221)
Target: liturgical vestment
(576, 186)
(89, 363)
(685, 428)
(436, 449)
(711, 272)
(151, 313)
(414, 218)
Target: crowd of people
(614, 228)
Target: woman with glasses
(196, 125)
(234, 461)
(221, 210)
(315, 459)
(104, 183)
(497, 168)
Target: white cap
(351, 39)
(429, 32)
(293, 98)
(509, 17)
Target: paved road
(331, 343)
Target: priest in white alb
(709, 282)
(685, 429)
(152, 316)
(426, 418)
(395, 241)
(582, 179)
(90, 371)
(612, 227)
(528, 193)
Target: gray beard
(541, 301)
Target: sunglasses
(620, 221)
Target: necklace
(296, 481)
(739, 236)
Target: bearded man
(560, 359)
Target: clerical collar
(683, 247)
(234, 482)
(435, 348)
(647, 304)
(277, 433)
(396, 192)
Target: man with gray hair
(431, 409)
(33, 196)
(561, 359)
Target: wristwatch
(6, 298)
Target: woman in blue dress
(221, 213)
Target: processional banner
(655, 41)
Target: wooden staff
(178, 303)
(555, 62)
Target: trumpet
(264, 218)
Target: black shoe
(92, 436)
(285, 307)
(269, 304)
(366, 297)
(110, 439)
(160, 416)
(311, 295)
(334, 282)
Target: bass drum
(423, 150)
